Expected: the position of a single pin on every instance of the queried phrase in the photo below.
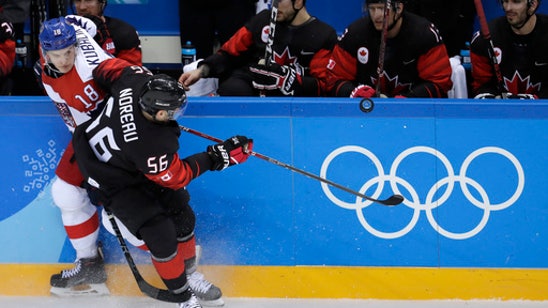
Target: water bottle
(188, 53)
(465, 54)
(20, 53)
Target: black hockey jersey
(308, 45)
(416, 63)
(121, 147)
(523, 59)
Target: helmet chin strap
(395, 19)
(296, 12)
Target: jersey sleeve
(7, 57)
(435, 70)
(182, 171)
(106, 73)
(341, 72)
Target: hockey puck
(366, 105)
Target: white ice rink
(142, 302)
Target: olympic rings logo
(414, 202)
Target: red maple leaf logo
(285, 58)
(518, 85)
(391, 85)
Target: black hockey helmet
(163, 92)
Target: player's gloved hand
(487, 96)
(6, 30)
(286, 78)
(103, 37)
(363, 91)
(232, 151)
(82, 22)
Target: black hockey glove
(231, 152)
(6, 30)
(286, 78)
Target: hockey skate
(88, 277)
(192, 302)
(207, 293)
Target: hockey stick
(144, 286)
(491, 48)
(270, 42)
(382, 47)
(393, 200)
(271, 32)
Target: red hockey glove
(286, 78)
(363, 91)
(6, 30)
(231, 152)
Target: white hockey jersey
(75, 93)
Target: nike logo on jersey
(541, 63)
(408, 62)
(307, 53)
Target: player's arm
(226, 58)
(180, 172)
(341, 73)
(7, 47)
(483, 76)
(110, 70)
(434, 69)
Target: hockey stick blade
(145, 287)
(391, 201)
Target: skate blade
(212, 303)
(93, 289)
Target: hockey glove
(363, 91)
(6, 30)
(286, 78)
(231, 152)
(103, 37)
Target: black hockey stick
(382, 47)
(393, 200)
(270, 42)
(484, 29)
(144, 286)
(271, 31)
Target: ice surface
(142, 302)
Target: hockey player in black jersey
(128, 156)
(301, 48)
(519, 40)
(415, 64)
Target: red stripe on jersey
(342, 66)
(7, 57)
(177, 176)
(84, 229)
(434, 66)
(318, 67)
(482, 71)
(239, 42)
(133, 56)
